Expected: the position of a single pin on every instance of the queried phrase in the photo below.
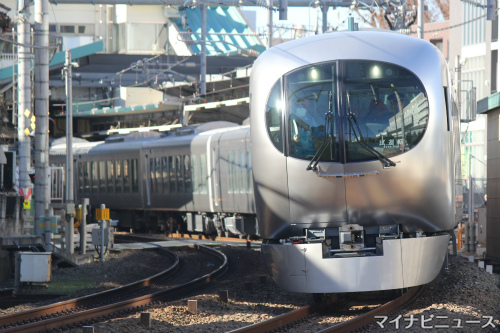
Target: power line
(454, 26)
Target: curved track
(288, 319)
(108, 304)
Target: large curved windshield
(380, 110)
(386, 109)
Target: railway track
(116, 302)
(290, 319)
(126, 237)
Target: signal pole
(24, 112)
(420, 19)
(70, 201)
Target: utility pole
(269, 24)
(70, 201)
(24, 114)
(324, 10)
(42, 213)
(203, 58)
(420, 19)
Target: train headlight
(314, 74)
(375, 72)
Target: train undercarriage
(229, 225)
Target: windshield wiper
(386, 162)
(328, 139)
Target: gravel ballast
(464, 298)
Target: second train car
(197, 179)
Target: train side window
(243, 173)
(159, 178)
(230, 171)
(95, 177)
(195, 173)
(187, 175)
(152, 174)
(179, 168)
(119, 179)
(171, 169)
(80, 178)
(447, 108)
(86, 177)
(164, 170)
(126, 176)
(274, 109)
(204, 175)
(237, 172)
(111, 176)
(102, 177)
(135, 178)
(249, 173)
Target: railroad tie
(193, 306)
(146, 319)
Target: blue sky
(336, 17)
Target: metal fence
(474, 191)
(56, 184)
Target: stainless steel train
(347, 174)
(355, 150)
(197, 179)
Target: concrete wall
(138, 96)
(493, 206)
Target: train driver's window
(386, 108)
(273, 116)
(309, 92)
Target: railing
(83, 106)
(56, 184)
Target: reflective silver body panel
(405, 263)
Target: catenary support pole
(42, 116)
(24, 110)
(420, 19)
(69, 154)
(203, 59)
(269, 33)
(324, 10)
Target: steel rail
(369, 317)
(281, 320)
(348, 326)
(135, 303)
(29, 315)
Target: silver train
(349, 178)
(198, 179)
(355, 150)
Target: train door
(147, 182)
(213, 173)
(316, 180)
